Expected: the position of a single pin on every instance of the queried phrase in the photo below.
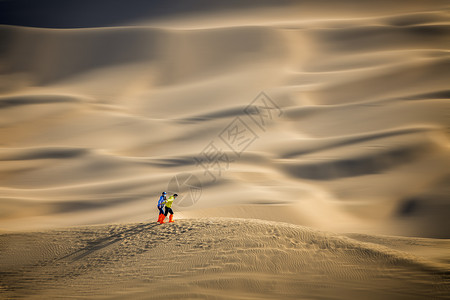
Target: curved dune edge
(220, 258)
(96, 120)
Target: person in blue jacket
(161, 203)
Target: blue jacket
(161, 201)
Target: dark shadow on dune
(46, 153)
(408, 207)
(98, 13)
(444, 94)
(32, 100)
(358, 166)
(21, 280)
(171, 162)
(414, 19)
(83, 205)
(426, 213)
(370, 36)
(103, 242)
(223, 113)
(355, 140)
(428, 31)
(76, 52)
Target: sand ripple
(97, 115)
(220, 259)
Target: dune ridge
(363, 94)
(284, 260)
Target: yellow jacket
(169, 201)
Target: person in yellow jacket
(168, 208)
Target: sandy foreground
(217, 258)
(308, 140)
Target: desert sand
(218, 258)
(308, 141)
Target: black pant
(168, 210)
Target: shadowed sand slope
(100, 110)
(98, 13)
(220, 259)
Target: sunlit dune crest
(284, 260)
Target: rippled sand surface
(250, 259)
(334, 116)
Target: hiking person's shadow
(98, 244)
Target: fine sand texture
(217, 258)
(324, 115)
(308, 142)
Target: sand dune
(345, 110)
(96, 120)
(364, 101)
(189, 260)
